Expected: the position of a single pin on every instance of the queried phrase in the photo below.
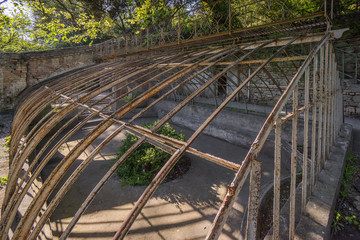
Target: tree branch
(66, 9)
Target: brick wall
(21, 70)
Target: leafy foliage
(345, 213)
(6, 145)
(347, 180)
(15, 31)
(44, 24)
(346, 13)
(3, 181)
(144, 163)
(340, 220)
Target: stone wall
(21, 70)
(348, 59)
(351, 95)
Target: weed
(3, 181)
(340, 218)
(347, 180)
(129, 98)
(339, 221)
(6, 145)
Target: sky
(9, 7)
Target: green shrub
(144, 163)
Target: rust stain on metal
(190, 74)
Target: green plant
(3, 181)
(339, 221)
(347, 180)
(129, 98)
(144, 163)
(6, 145)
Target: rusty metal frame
(161, 75)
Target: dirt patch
(346, 220)
(180, 169)
(265, 216)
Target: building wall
(21, 70)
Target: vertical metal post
(306, 138)
(126, 44)
(277, 168)
(324, 130)
(293, 164)
(313, 128)
(195, 34)
(136, 40)
(229, 2)
(248, 85)
(325, 7)
(119, 45)
(335, 100)
(148, 38)
(343, 65)
(179, 29)
(356, 69)
(245, 16)
(162, 40)
(112, 48)
(254, 197)
(330, 93)
(252, 20)
(106, 52)
(327, 103)
(332, 10)
(333, 103)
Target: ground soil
(266, 208)
(180, 169)
(348, 204)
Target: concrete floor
(180, 209)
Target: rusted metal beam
(277, 178)
(167, 78)
(306, 141)
(293, 164)
(257, 145)
(254, 200)
(256, 61)
(314, 120)
(223, 212)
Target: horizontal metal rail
(235, 71)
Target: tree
(15, 31)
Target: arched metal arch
(58, 109)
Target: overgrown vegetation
(43, 24)
(144, 163)
(6, 145)
(3, 181)
(347, 213)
